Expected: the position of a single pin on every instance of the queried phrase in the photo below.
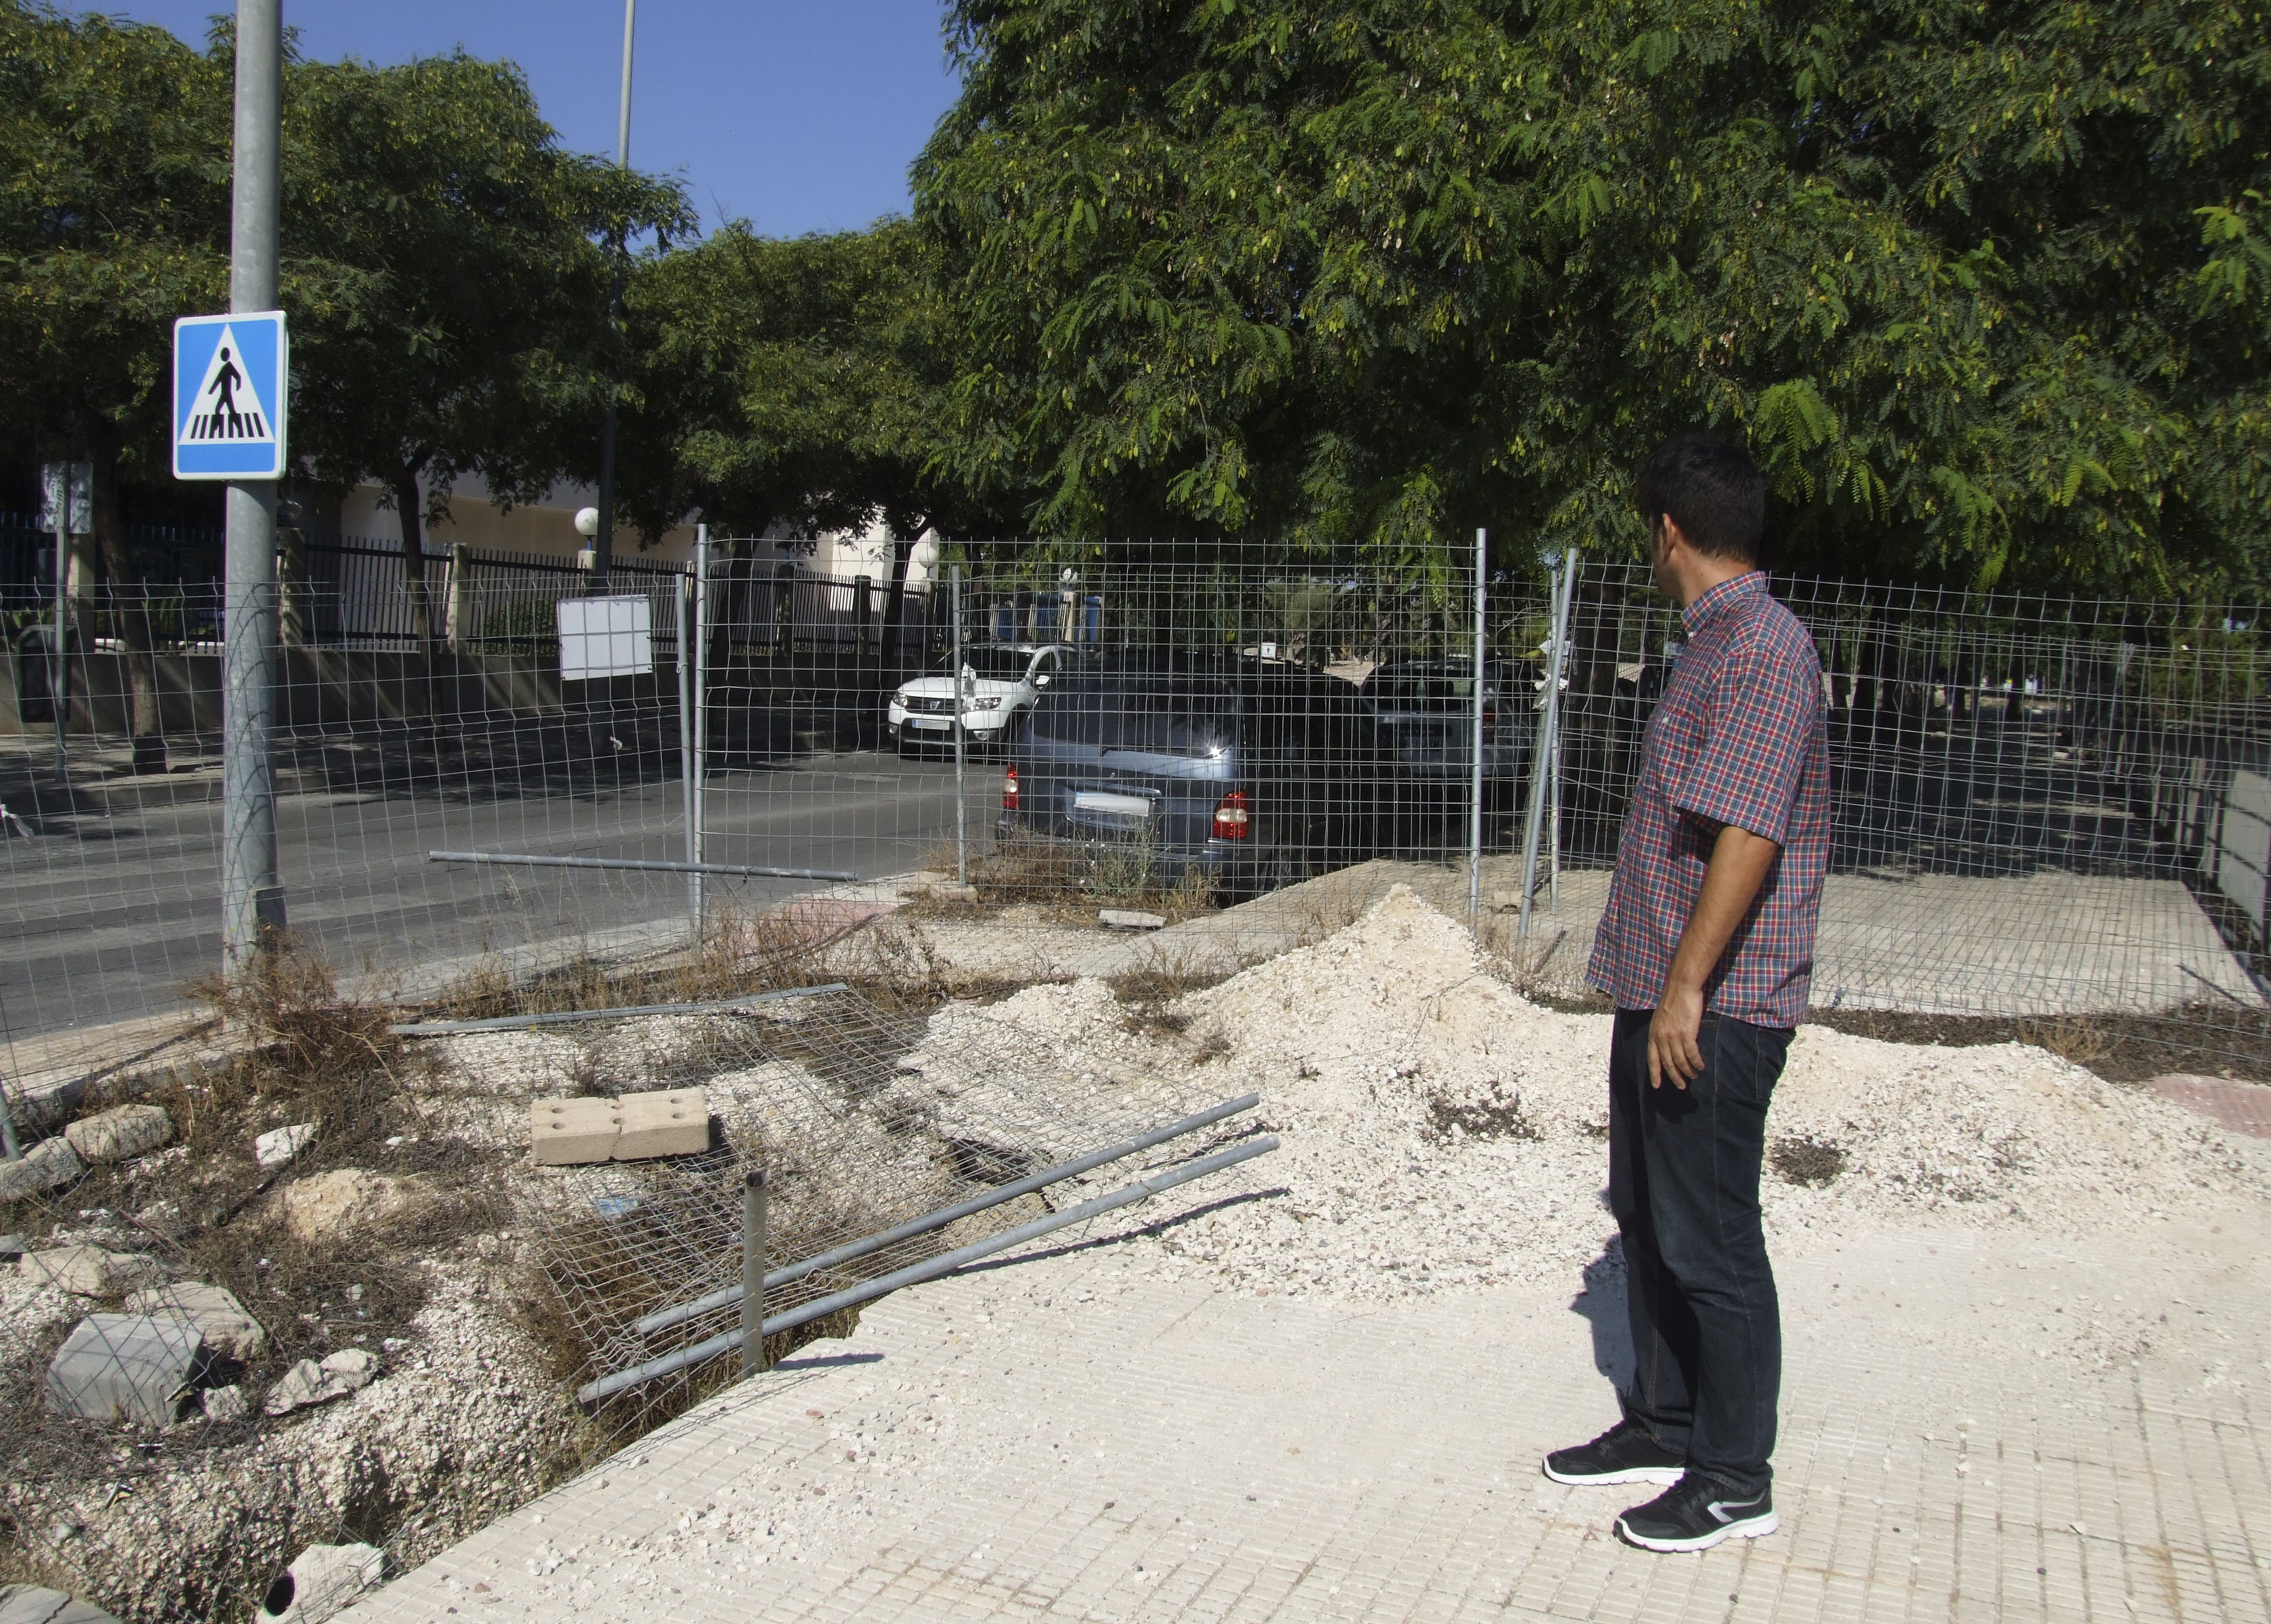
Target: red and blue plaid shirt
(1741, 737)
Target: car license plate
(932, 721)
(1110, 806)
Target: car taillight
(1009, 791)
(1230, 818)
(1490, 723)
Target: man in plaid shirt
(1707, 948)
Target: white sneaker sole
(1744, 1528)
(1667, 1476)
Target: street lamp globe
(587, 522)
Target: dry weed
(1805, 1159)
(2073, 1038)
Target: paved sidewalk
(1103, 1432)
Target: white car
(1001, 682)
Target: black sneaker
(1624, 1454)
(1695, 1514)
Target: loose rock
(1130, 918)
(328, 1205)
(120, 1134)
(308, 1382)
(279, 1145)
(225, 1403)
(90, 1270)
(221, 1319)
(47, 1165)
(322, 1579)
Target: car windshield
(994, 663)
(1161, 712)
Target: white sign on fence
(232, 380)
(606, 638)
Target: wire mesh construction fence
(2044, 809)
(1149, 764)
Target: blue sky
(800, 115)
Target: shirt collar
(1720, 598)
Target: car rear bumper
(1227, 862)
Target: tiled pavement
(1975, 1427)
(2242, 1107)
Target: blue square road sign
(231, 383)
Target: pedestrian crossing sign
(232, 376)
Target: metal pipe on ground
(522, 860)
(663, 1319)
(511, 1023)
(931, 1269)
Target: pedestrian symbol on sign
(226, 420)
(229, 381)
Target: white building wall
(547, 528)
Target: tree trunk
(130, 605)
(410, 509)
(906, 528)
(417, 678)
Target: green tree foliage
(1982, 286)
(114, 211)
(804, 382)
(450, 271)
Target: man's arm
(1738, 865)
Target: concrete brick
(120, 1134)
(674, 1122)
(125, 1367)
(563, 1133)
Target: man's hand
(1672, 1050)
(1738, 865)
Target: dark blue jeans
(1684, 1184)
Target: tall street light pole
(252, 893)
(603, 545)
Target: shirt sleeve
(1760, 720)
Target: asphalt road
(111, 911)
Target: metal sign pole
(252, 898)
(58, 656)
(1475, 818)
(960, 747)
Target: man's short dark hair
(1712, 490)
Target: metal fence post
(698, 841)
(1545, 779)
(1553, 756)
(686, 773)
(753, 1273)
(1475, 818)
(961, 747)
(252, 898)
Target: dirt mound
(1440, 1130)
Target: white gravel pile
(1442, 1131)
